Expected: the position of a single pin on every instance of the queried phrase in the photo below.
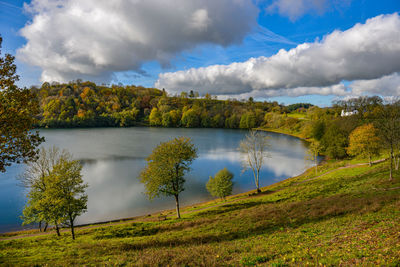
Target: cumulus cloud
(388, 85)
(363, 52)
(92, 39)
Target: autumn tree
(221, 185)
(155, 118)
(364, 142)
(17, 110)
(166, 167)
(254, 147)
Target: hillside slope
(349, 216)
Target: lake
(113, 158)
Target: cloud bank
(387, 86)
(364, 52)
(92, 39)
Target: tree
(166, 167)
(190, 119)
(17, 110)
(334, 142)
(387, 121)
(313, 151)
(364, 142)
(155, 118)
(221, 185)
(56, 189)
(254, 146)
(34, 179)
(66, 190)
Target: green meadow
(340, 216)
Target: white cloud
(296, 8)
(366, 51)
(92, 39)
(387, 86)
(338, 90)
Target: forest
(85, 104)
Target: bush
(221, 185)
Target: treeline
(332, 130)
(85, 104)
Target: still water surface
(113, 157)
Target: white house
(348, 113)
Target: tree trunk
(178, 214)
(369, 158)
(258, 182)
(316, 166)
(45, 227)
(71, 222)
(40, 226)
(391, 164)
(57, 229)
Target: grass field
(297, 115)
(350, 216)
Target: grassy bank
(348, 216)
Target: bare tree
(313, 152)
(388, 124)
(254, 146)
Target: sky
(288, 51)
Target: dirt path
(135, 219)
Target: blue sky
(227, 33)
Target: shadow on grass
(140, 230)
(267, 218)
(227, 208)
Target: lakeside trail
(164, 217)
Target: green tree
(254, 147)
(221, 185)
(34, 179)
(17, 110)
(243, 121)
(364, 142)
(66, 190)
(167, 120)
(318, 130)
(334, 142)
(155, 118)
(190, 119)
(218, 121)
(56, 190)
(166, 167)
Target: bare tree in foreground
(387, 122)
(255, 147)
(313, 152)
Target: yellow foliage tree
(364, 142)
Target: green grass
(297, 115)
(346, 217)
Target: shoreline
(158, 215)
(168, 211)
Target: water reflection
(113, 158)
